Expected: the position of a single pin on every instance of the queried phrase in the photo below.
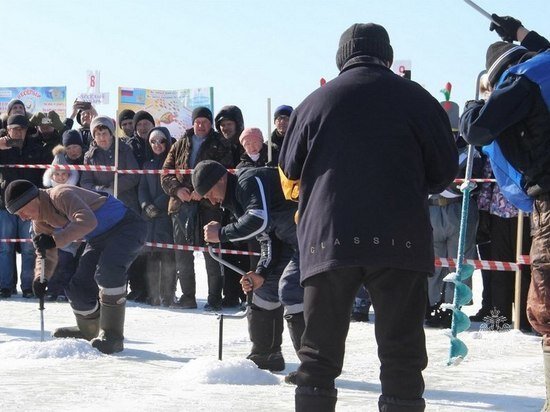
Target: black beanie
(230, 113)
(126, 114)
(206, 174)
(143, 115)
(13, 103)
(499, 56)
(18, 120)
(283, 110)
(72, 137)
(364, 39)
(201, 111)
(18, 194)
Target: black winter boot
(391, 404)
(87, 327)
(111, 323)
(312, 399)
(153, 287)
(265, 328)
(296, 326)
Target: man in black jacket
(516, 119)
(368, 148)
(256, 200)
(18, 148)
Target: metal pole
(519, 249)
(480, 11)
(41, 300)
(220, 338)
(115, 183)
(269, 150)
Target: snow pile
(229, 372)
(60, 348)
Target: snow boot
(546, 357)
(265, 328)
(391, 404)
(309, 399)
(360, 311)
(292, 378)
(152, 280)
(296, 326)
(111, 323)
(87, 327)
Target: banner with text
(36, 99)
(170, 108)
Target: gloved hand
(38, 288)
(42, 242)
(507, 27)
(12, 142)
(152, 211)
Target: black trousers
(399, 300)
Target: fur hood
(59, 159)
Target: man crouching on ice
(256, 199)
(114, 236)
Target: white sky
(248, 50)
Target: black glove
(38, 288)
(152, 211)
(43, 242)
(507, 27)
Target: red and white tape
(99, 168)
(168, 246)
(439, 262)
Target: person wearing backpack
(514, 126)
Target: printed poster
(170, 108)
(36, 99)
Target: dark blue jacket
(256, 199)
(150, 191)
(517, 114)
(368, 148)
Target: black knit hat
(143, 115)
(17, 120)
(72, 137)
(206, 174)
(230, 113)
(201, 111)
(18, 194)
(13, 103)
(126, 114)
(499, 56)
(283, 110)
(364, 39)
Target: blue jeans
(11, 226)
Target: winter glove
(36, 119)
(152, 211)
(507, 27)
(42, 242)
(38, 288)
(103, 189)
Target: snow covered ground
(170, 364)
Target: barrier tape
(167, 246)
(524, 260)
(100, 168)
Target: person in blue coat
(160, 264)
